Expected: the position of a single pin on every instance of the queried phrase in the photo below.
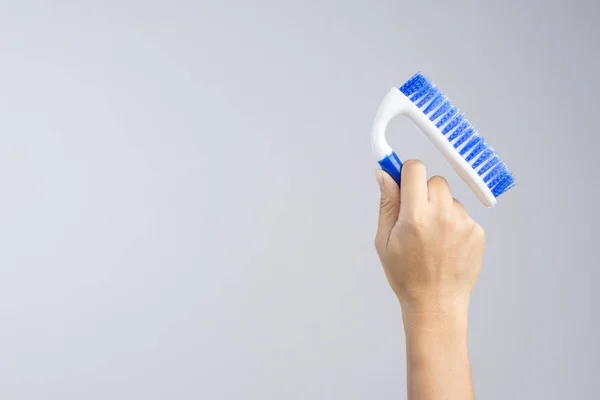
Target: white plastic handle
(396, 103)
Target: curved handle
(394, 103)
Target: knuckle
(459, 206)
(415, 221)
(438, 181)
(385, 206)
(446, 218)
(479, 232)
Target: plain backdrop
(188, 201)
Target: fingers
(389, 206)
(439, 192)
(414, 185)
(417, 192)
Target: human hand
(431, 250)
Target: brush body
(473, 159)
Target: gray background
(188, 203)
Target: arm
(432, 253)
(437, 355)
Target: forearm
(438, 364)
(432, 253)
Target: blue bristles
(459, 132)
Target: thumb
(389, 206)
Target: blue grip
(393, 166)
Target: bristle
(488, 165)
(414, 84)
(441, 110)
(459, 132)
(453, 124)
(446, 117)
(470, 131)
(476, 150)
(485, 155)
(470, 145)
(434, 103)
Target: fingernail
(379, 176)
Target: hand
(430, 248)
(431, 251)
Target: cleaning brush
(473, 159)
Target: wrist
(446, 315)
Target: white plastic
(395, 103)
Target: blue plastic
(393, 166)
(459, 132)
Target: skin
(432, 253)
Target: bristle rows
(464, 137)
(434, 103)
(441, 111)
(446, 117)
(459, 132)
(476, 150)
(430, 95)
(453, 124)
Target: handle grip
(393, 166)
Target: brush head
(465, 139)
